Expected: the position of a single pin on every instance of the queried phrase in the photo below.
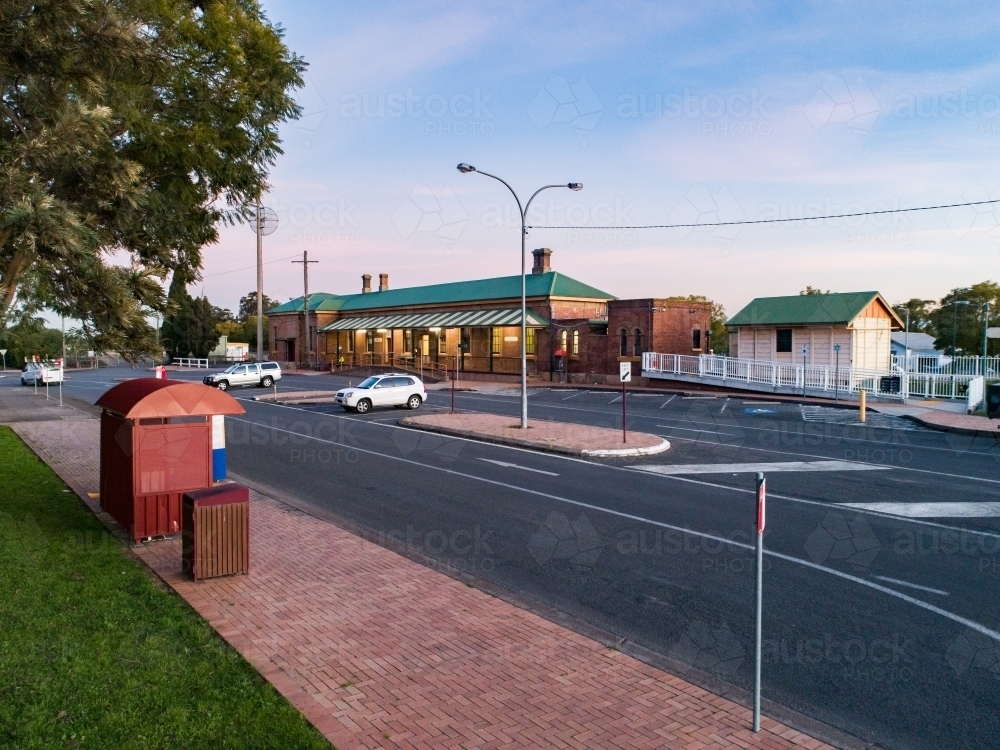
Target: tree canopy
(129, 129)
(964, 321)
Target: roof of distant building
(923, 342)
(550, 284)
(808, 309)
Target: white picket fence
(191, 362)
(815, 379)
(944, 365)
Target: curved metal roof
(144, 398)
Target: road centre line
(912, 585)
(932, 510)
(509, 465)
(753, 468)
(667, 401)
(979, 628)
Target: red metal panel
(116, 469)
(173, 458)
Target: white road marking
(762, 403)
(615, 400)
(508, 465)
(932, 510)
(978, 627)
(724, 406)
(764, 467)
(912, 585)
(578, 393)
(698, 398)
(667, 401)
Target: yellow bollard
(861, 407)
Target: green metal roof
(551, 284)
(806, 309)
(320, 301)
(471, 319)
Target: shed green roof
(550, 284)
(806, 309)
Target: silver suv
(397, 389)
(263, 374)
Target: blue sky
(667, 112)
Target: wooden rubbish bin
(216, 531)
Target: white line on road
(508, 465)
(615, 400)
(724, 406)
(755, 467)
(979, 628)
(932, 510)
(667, 401)
(578, 393)
(912, 585)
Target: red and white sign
(761, 497)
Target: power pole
(260, 286)
(305, 308)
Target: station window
(624, 343)
(562, 340)
(696, 339)
(495, 341)
(576, 343)
(637, 346)
(529, 341)
(784, 342)
(408, 340)
(370, 341)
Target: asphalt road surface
(881, 603)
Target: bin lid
(143, 398)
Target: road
(880, 611)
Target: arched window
(638, 343)
(562, 340)
(576, 344)
(624, 348)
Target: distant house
(776, 329)
(919, 344)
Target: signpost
(625, 375)
(805, 350)
(3, 353)
(761, 495)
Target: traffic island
(543, 435)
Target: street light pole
(465, 169)
(260, 286)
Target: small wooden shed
(156, 444)
(775, 329)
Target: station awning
(468, 319)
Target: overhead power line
(775, 221)
(247, 268)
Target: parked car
(262, 374)
(40, 372)
(390, 389)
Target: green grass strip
(94, 654)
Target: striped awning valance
(468, 319)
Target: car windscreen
(231, 369)
(368, 383)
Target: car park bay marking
(755, 467)
(509, 465)
(932, 510)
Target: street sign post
(805, 351)
(625, 375)
(836, 373)
(761, 496)
(3, 353)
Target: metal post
(260, 288)
(454, 376)
(836, 373)
(761, 497)
(906, 343)
(305, 307)
(862, 405)
(986, 333)
(624, 414)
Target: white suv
(263, 374)
(40, 373)
(391, 389)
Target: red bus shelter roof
(150, 397)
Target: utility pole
(260, 286)
(305, 298)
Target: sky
(667, 113)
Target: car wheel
(267, 382)
(414, 402)
(363, 406)
(222, 385)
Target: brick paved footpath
(379, 651)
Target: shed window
(624, 344)
(784, 343)
(696, 339)
(637, 347)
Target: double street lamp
(465, 169)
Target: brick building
(576, 332)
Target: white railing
(191, 362)
(829, 381)
(945, 365)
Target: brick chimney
(542, 262)
(383, 282)
(366, 283)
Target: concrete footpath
(379, 651)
